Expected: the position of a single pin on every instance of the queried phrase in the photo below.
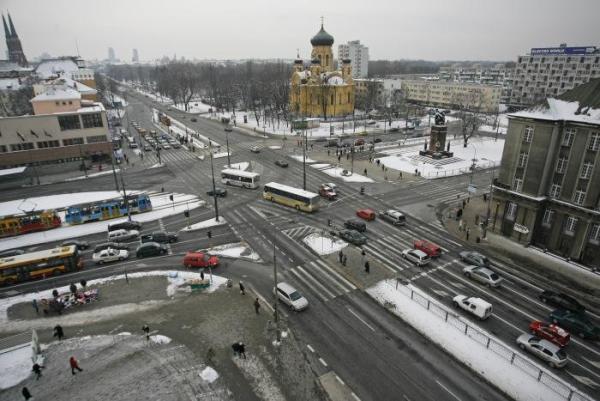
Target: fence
(462, 170)
(552, 382)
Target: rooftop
(57, 94)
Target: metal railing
(566, 391)
(462, 170)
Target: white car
(110, 255)
(255, 149)
(291, 297)
(416, 256)
(476, 306)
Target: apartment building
(358, 54)
(498, 74)
(438, 93)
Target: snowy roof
(57, 94)
(304, 74)
(561, 110)
(11, 171)
(71, 83)
(49, 67)
(9, 83)
(335, 80)
(10, 66)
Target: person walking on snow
(341, 256)
(367, 267)
(58, 332)
(74, 365)
(37, 369)
(73, 289)
(242, 289)
(26, 394)
(256, 306)
(146, 331)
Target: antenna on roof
(77, 47)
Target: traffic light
(186, 213)
(209, 234)
(171, 197)
(329, 222)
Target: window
(57, 103)
(579, 197)
(72, 141)
(96, 139)
(48, 144)
(69, 122)
(528, 137)
(518, 184)
(548, 218)
(15, 147)
(70, 102)
(595, 233)
(91, 120)
(570, 225)
(586, 170)
(569, 137)
(561, 165)
(511, 210)
(594, 141)
(555, 191)
(523, 159)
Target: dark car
(125, 225)
(11, 252)
(79, 244)
(194, 119)
(576, 323)
(228, 128)
(281, 163)
(151, 249)
(474, 258)
(357, 225)
(218, 191)
(353, 237)
(159, 236)
(562, 301)
(111, 245)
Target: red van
(200, 259)
(366, 214)
(431, 249)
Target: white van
(476, 306)
(393, 216)
(122, 235)
(291, 297)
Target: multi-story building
(548, 189)
(135, 58)
(550, 72)
(432, 92)
(370, 93)
(498, 74)
(112, 58)
(358, 55)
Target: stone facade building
(319, 90)
(548, 189)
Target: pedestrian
(377, 161)
(146, 330)
(339, 157)
(58, 332)
(37, 369)
(83, 284)
(340, 255)
(382, 167)
(74, 365)
(256, 306)
(468, 232)
(365, 171)
(367, 267)
(242, 349)
(35, 306)
(401, 175)
(26, 394)
(416, 172)
(344, 259)
(202, 275)
(485, 197)
(464, 203)
(73, 289)
(328, 152)
(55, 293)
(363, 253)
(347, 156)
(242, 288)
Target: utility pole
(352, 160)
(489, 207)
(304, 160)
(83, 162)
(227, 142)
(275, 303)
(125, 197)
(212, 170)
(112, 163)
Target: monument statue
(440, 118)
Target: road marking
(379, 256)
(342, 279)
(584, 368)
(449, 392)
(309, 285)
(361, 319)
(340, 380)
(355, 396)
(323, 362)
(311, 278)
(310, 348)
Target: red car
(359, 142)
(550, 332)
(367, 214)
(431, 249)
(200, 259)
(327, 192)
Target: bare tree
(469, 113)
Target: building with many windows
(358, 54)
(551, 71)
(548, 189)
(498, 74)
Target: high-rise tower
(13, 43)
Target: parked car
(393, 216)
(110, 255)
(419, 258)
(431, 249)
(166, 146)
(228, 128)
(281, 163)
(78, 243)
(220, 192)
(551, 332)
(147, 147)
(291, 297)
(353, 237)
(194, 119)
(474, 258)
(577, 323)
(327, 192)
(200, 259)
(543, 349)
(367, 214)
(357, 225)
(176, 145)
(112, 245)
(125, 225)
(159, 236)
(11, 252)
(122, 235)
(483, 275)
(255, 149)
(476, 306)
(560, 300)
(359, 141)
(150, 249)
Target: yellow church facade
(319, 90)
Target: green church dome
(322, 38)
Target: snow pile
(324, 245)
(209, 374)
(159, 339)
(300, 158)
(337, 172)
(238, 250)
(238, 166)
(15, 366)
(205, 224)
(124, 333)
(157, 165)
(492, 366)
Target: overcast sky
(234, 29)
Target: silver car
(543, 349)
(483, 275)
(474, 258)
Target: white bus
(290, 196)
(240, 178)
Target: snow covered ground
(237, 251)
(15, 366)
(205, 224)
(162, 207)
(337, 172)
(497, 369)
(324, 245)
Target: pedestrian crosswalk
(298, 233)
(321, 279)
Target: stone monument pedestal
(437, 148)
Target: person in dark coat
(58, 332)
(146, 331)
(367, 267)
(37, 369)
(74, 365)
(242, 289)
(73, 289)
(341, 256)
(55, 293)
(35, 306)
(26, 394)
(256, 306)
(242, 349)
(344, 259)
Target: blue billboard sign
(541, 51)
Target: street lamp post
(275, 303)
(212, 170)
(227, 142)
(83, 166)
(489, 207)
(473, 165)
(125, 196)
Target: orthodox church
(319, 90)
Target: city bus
(40, 264)
(240, 178)
(290, 196)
